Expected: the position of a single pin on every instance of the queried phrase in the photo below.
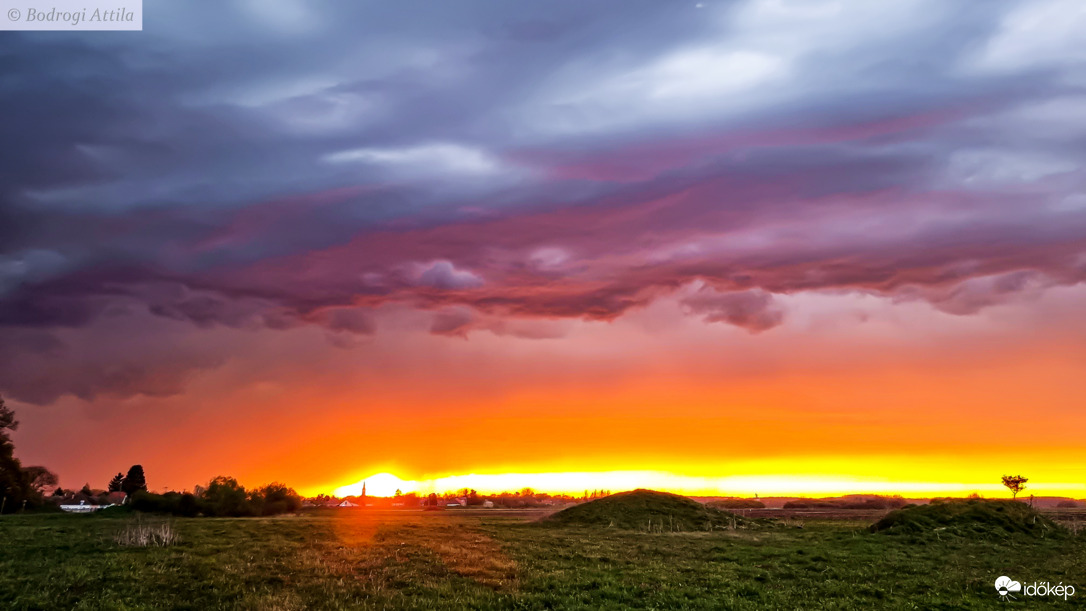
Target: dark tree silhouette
(18, 486)
(7, 422)
(39, 478)
(1015, 483)
(116, 483)
(275, 498)
(13, 482)
(135, 481)
(86, 490)
(224, 496)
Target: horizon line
(575, 483)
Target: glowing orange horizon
(797, 412)
(765, 485)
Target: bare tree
(1015, 483)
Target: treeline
(222, 497)
(527, 498)
(466, 497)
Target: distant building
(82, 507)
(347, 503)
(488, 504)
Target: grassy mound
(648, 511)
(969, 518)
(736, 504)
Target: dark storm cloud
(268, 165)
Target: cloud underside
(547, 164)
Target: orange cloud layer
(870, 403)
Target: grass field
(359, 559)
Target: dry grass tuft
(147, 534)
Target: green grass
(975, 518)
(496, 560)
(648, 511)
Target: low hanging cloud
(752, 310)
(111, 359)
(455, 322)
(975, 294)
(356, 321)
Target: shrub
(174, 503)
(222, 497)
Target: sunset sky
(763, 246)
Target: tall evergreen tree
(116, 483)
(134, 481)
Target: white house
(347, 503)
(82, 507)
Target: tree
(1015, 483)
(39, 478)
(116, 483)
(225, 497)
(275, 498)
(18, 486)
(12, 479)
(135, 481)
(86, 490)
(7, 422)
